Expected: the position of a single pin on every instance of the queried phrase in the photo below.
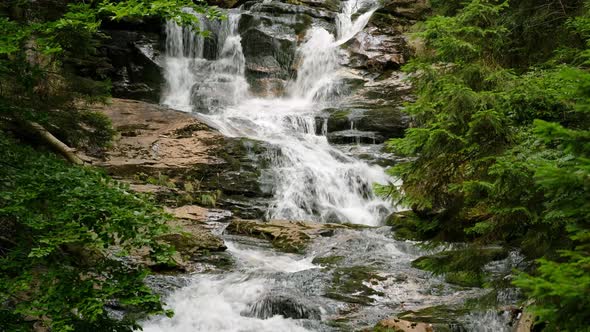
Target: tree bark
(57, 145)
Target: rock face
(134, 49)
(270, 33)
(183, 159)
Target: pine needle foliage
(500, 146)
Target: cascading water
(312, 181)
(212, 84)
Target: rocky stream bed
(265, 147)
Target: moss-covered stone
(349, 284)
(189, 244)
(288, 236)
(465, 278)
(400, 325)
(328, 260)
(438, 318)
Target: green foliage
(462, 267)
(50, 66)
(561, 286)
(63, 230)
(170, 10)
(501, 148)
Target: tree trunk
(57, 145)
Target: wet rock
(439, 318)
(375, 51)
(136, 70)
(226, 3)
(526, 322)
(277, 8)
(352, 284)
(354, 137)
(388, 121)
(196, 213)
(331, 5)
(245, 207)
(372, 125)
(289, 236)
(328, 260)
(184, 161)
(390, 90)
(285, 305)
(270, 32)
(400, 325)
(193, 239)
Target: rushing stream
(312, 181)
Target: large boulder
(283, 304)
(400, 325)
(362, 125)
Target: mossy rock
(409, 226)
(388, 121)
(188, 244)
(465, 278)
(328, 260)
(338, 119)
(349, 284)
(461, 267)
(284, 235)
(439, 318)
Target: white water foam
(312, 180)
(218, 302)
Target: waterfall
(318, 77)
(312, 180)
(193, 81)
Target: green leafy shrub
(65, 233)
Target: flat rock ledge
(154, 140)
(284, 235)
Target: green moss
(348, 284)
(461, 267)
(303, 22)
(408, 226)
(465, 278)
(328, 260)
(340, 115)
